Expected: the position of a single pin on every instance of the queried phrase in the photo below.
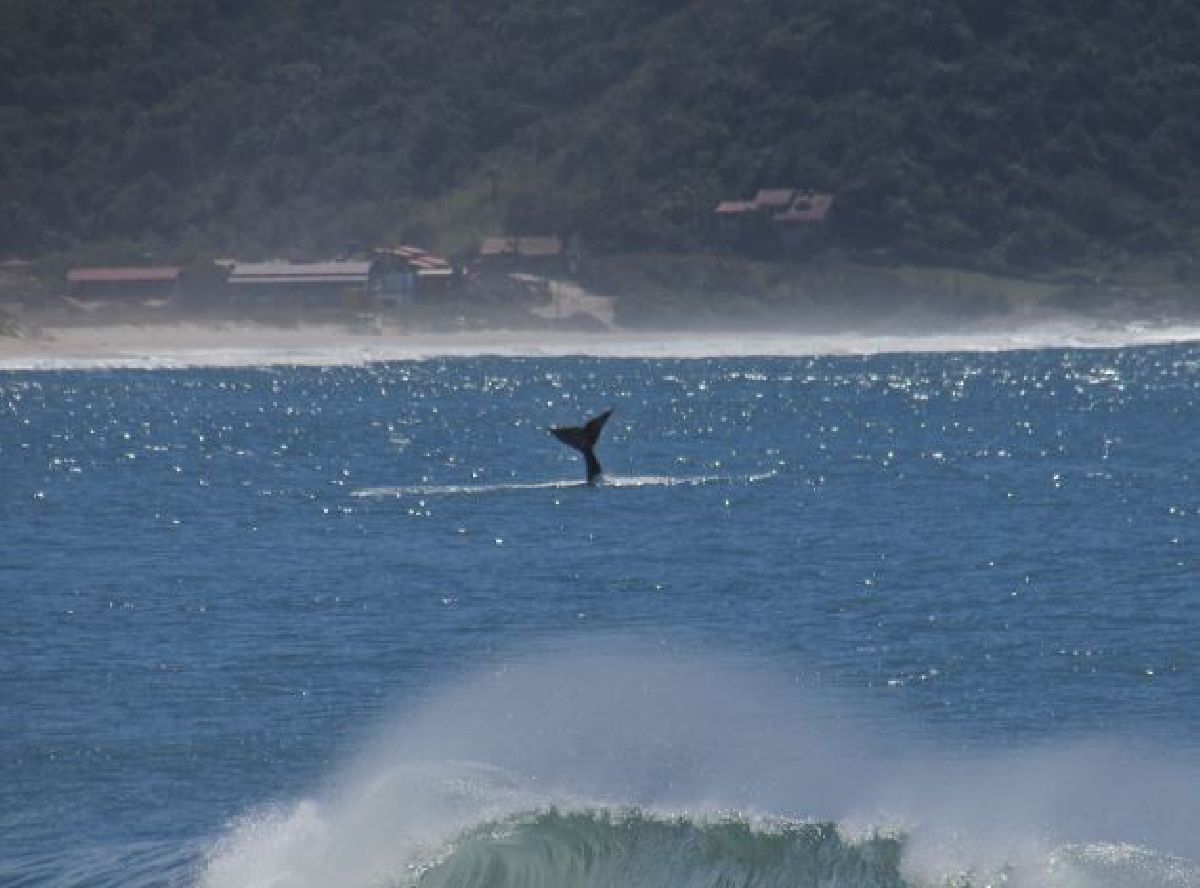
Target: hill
(1022, 135)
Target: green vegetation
(1014, 136)
(8, 324)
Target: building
(802, 225)
(776, 219)
(541, 254)
(774, 200)
(737, 221)
(301, 286)
(142, 287)
(411, 274)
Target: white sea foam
(686, 739)
(620, 481)
(187, 345)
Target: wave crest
(597, 848)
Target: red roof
(774, 198)
(429, 262)
(497, 246)
(807, 208)
(538, 246)
(155, 275)
(736, 206)
(403, 251)
(415, 256)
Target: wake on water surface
(618, 481)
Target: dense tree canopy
(1023, 133)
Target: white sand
(241, 345)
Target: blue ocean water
(928, 619)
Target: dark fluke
(583, 438)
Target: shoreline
(151, 346)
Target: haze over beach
(605, 444)
(249, 345)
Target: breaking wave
(579, 847)
(630, 769)
(600, 847)
(636, 770)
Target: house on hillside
(542, 254)
(302, 286)
(786, 219)
(802, 224)
(154, 287)
(774, 200)
(737, 221)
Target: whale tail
(583, 438)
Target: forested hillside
(1021, 134)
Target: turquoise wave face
(611, 848)
(601, 848)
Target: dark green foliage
(1013, 134)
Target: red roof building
(776, 199)
(776, 218)
(806, 208)
(736, 207)
(520, 253)
(135, 275)
(157, 285)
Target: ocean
(899, 619)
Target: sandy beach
(244, 345)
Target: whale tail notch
(583, 438)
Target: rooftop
(537, 246)
(774, 198)
(157, 275)
(349, 272)
(807, 208)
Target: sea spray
(639, 768)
